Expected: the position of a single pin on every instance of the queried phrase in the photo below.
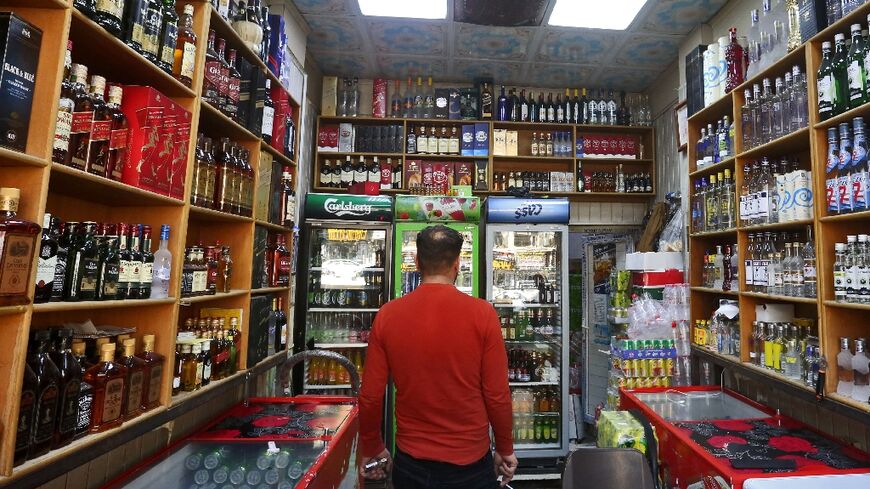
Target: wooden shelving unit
(523, 161)
(809, 146)
(76, 195)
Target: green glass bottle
(857, 76)
(825, 83)
(840, 100)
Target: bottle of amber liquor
(17, 246)
(153, 373)
(47, 393)
(135, 379)
(108, 381)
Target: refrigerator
(413, 214)
(527, 283)
(346, 268)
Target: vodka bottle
(840, 272)
(788, 271)
(766, 191)
(776, 129)
(712, 206)
(766, 113)
(726, 202)
(746, 119)
(775, 280)
(791, 355)
(755, 111)
(798, 99)
(852, 268)
(843, 192)
(786, 110)
(861, 372)
(162, 269)
(859, 167)
(844, 369)
(735, 274)
(749, 264)
(798, 277)
(862, 270)
(718, 261)
(696, 207)
(808, 256)
(701, 150)
(754, 44)
(744, 196)
(833, 161)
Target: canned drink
(631, 383)
(656, 344)
(656, 367)
(626, 366)
(666, 381)
(642, 367)
(669, 366)
(657, 382)
(646, 382)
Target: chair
(607, 468)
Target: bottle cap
(188, 9)
(839, 37)
(9, 197)
(826, 45)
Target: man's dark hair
(437, 248)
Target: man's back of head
(438, 250)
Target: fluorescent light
(595, 14)
(413, 9)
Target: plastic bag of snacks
(619, 429)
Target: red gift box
(365, 188)
(427, 168)
(379, 98)
(143, 107)
(181, 151)
(327, 138)
(442, 176)
(165, 150)
(281, 101)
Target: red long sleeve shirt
(447, 358)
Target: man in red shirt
(445, 353)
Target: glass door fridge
(526, 282)
(346, 268)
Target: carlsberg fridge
(526, 282)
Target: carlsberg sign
(349, 207)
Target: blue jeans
(412, 473)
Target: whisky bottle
(281, 323)
(188, 369)
(135, 380)
(212, 80)
(66, 233)
(26, 414)
(268, 114)
(288, 197)
(397, 173)
(211, 172)
(233, 83)
(82, 118)
(205, 359)
(47, 393)
(147, 269)
(223, 177)
(197, 180)
(184, 59)
(17, 247)
(151, 30)
(151, 383)
(101, 130)
(325, 175)
(124, 266)
(168, 37)
(47, 261)
(233, 191)
(225, 270)
(108, 15)
(211, 261)
(118, 139)
(267, 33)
(223, 88)
(109, 387)
(360, 170)
(69, 387)
(133, 287)
(247, 25)
(86, 390)
(110, 267)
(65, 108)
(485, 103)
(280, 263)
(83, 266)
(235, 340)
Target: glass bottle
(82, 118)
(791, 354)
(840, 272)
(845, 375)
(809, 266)
(48, 393)
(205, 359)
(800, 109)
(826, 84)
(26, 415)
(861, 371)
(231, 108)
(151, 30)
(66, 105)
(110, 267)
(247, 25)
(184, 56)
(107, 14)
(83, 266)
(147, 268)
(96, 148)
(162, 266)
(734, 62)
(188, 369)
(135, 380)
(839, 63)
(224, 79)
(212, 74)
(856, 75)
(225, 270)
(135, 272)
(429, 101)
(168, 37)
(118, 136)
(47, 262)
(777, 348)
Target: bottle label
(749, 272)
(840, 279)
(45, 268)
(101, 130)
(118, 139)
(233, 86)
(809, 272)
(113, 400)
(831, 195)
(853, 275)
(145, 272)
(134, 394)
(170, 39)
(115, 8)
(856, 80)
(151, 32)
(359, 176)
(69, 407)
(825, 86)
(859, 184)
(200, 281)
(188, 60)
(763, 204)
(154, 384)
(46, 413)
(62, 129)
(213, 73)
(744, 207)
(206, 371)
(90, 271)
(268, 121)
(223, 86)
(138, 34)
(17, 255)
(109, 282)
(844, 194)
(176, 382)
(81, 122)
(85, 404)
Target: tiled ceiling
(343, 42)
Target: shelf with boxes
(802, 216)
(88, 159)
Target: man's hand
(381, 471)
(505, 466)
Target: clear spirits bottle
(799, 108)
(809, 265)
(162, 266)
(767, 114)
(746, 119)
(861, 372)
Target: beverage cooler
(346, 268)
(413, 214)
(526, 282)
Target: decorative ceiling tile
(492, 42)
(680, 16)
(342, 64)
(423, 38)
(648, 51)
(630, 80)
(403, 66)
(575, 46)
(502, 72)
(321, 6)
(333, 34)
(552, 75)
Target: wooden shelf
(185, 301)
(854, 17)
(54, 4)
(777, 225)
(10, 157)
(710, 290)
(713, 234)
(848, 401)
(852, 216)
(531, 126)
(790, 143)
(427, 156)
(336, 154)
(625, 161)
(82, 185)
(778, 68)
(847, 305)
(557, 159)
(88, 305)
(7, 310)
(108, 56)
(781, 298)
(274, 227)
(384, 120)
(269, 290)
(714, 168)
(600, 128)
(214, 121)
(713, 112)
(211, 215)
(277, 155)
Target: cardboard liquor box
(813, 17)
(442, 175)
(345, 137)
(143, 107)
(276, 57)
(413, 173)
(276, 204)
(246, 70)
(254, 122)
(481, 139)
(442, 96)
(327, 138)
(499, 142)
(695, 78)
(167, 142)
(20, 44)
(379, 98)
(511, 142)
(481, 175)
(468, 102)
(328, 100)
(263, 193)
(261, 330)
(258, 266)
(365, 188)
(467, 142)
(454, 110)
(463, 173)
(180, 151)
(426, 169)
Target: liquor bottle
(107, 14)
(268, 114)
(809, 266)
(146, 271)
(374, 171)
(845, 376)
(288, 198)
(429, 101)
(87, 7)
(734, 62)
(611, 108)
(162, 266)
(502, 106)
(281, 263)
(839, 64)
(800, 109)
(151, 30)
(97, 149)
(523, 111)
(47, 261)
(66, 105)
(225, 270)
(153, 373)
(224, 177)
(347, 173)
(134, 381)
(551, 109)
(567, 107)
(205, 359)
(231, 109)
(360, 171)
(860, 369)
(110, 267)
(134, 24)
(133, 288)
(485, 102)
(82, 265)
(47, 393)
(325, 175)
(69, 388)
(396, 102)
(26, 415)
(267, 33)
(184, 55)
(419, 99)
(840, 272)
(844, 163)
(826, 84)
(408, 101)
(108, 380)
(212, 80)
(82, 117)
(443, 142)
(855, 70)
(118, 135)
(168, 37)
(247, 24)
(224, 80)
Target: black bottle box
(20, 42)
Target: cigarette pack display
(467, 142)
(413, 173)
(327, 138)
(345, 137)
(441, 100)
(379, 98)
(19, 57)
(453, 104)
(181, 150)
(144, 108)
(328, 99)
(481, 139)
